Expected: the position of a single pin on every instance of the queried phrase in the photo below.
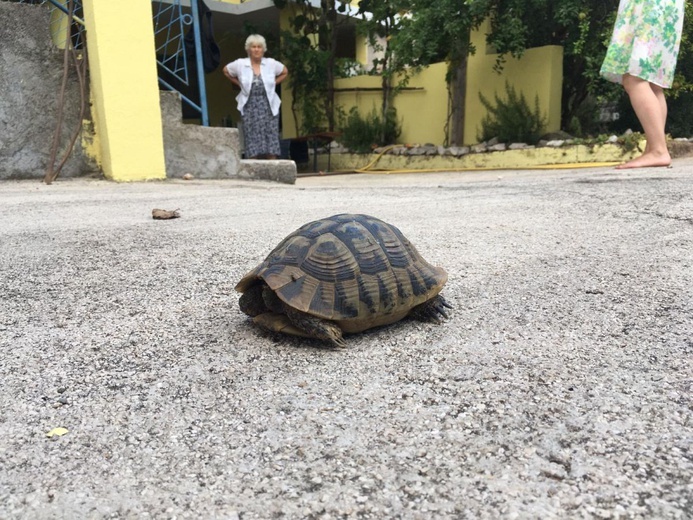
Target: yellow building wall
(423, 107)
(126, 111)
(539, 72)
(362, 50)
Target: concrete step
(211, 152)
(268, 170)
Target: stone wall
(31, 69)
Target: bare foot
(647, 160)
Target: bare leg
(650, 106)
(659, 92)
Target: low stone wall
(31, 71)
(485, 156)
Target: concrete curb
(273, 170)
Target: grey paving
(560, 387)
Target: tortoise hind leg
(433, 309)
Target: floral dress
(645, 42)
(260, 127)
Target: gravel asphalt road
(560, 387)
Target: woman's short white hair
(255, 39)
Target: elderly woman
(258, 101)
(642, 57)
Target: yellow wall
(538, 72)
(423, 109)
(362, 50)
(126, 112)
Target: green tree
(309, 50)
(439, 30)
(379, 21)
(582, 27)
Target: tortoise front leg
(316, 327)
(251, 302)
(279, 323)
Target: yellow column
(126, 111)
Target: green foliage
(511, 120)
(679, 122)
(306, 66)
(380, 20)
(308, 51)
(439, 30)
(630, 142)
(584, 120)
(363, 134)
(422, 32)
(582, 27)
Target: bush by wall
(362, 134)
(511, 120)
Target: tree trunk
(330, 17)
(329, 97)
(458, 87)
(386, 86)
(385, 108)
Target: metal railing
(58, 21)
(180, 65)
(178, 55)
(68, 33)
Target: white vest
(269, 70)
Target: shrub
(363, 134)
(511, 120)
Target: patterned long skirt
(260, 127)
(645, 42)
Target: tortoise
(342, 274)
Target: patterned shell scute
(348, 267)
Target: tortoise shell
(356, 270)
